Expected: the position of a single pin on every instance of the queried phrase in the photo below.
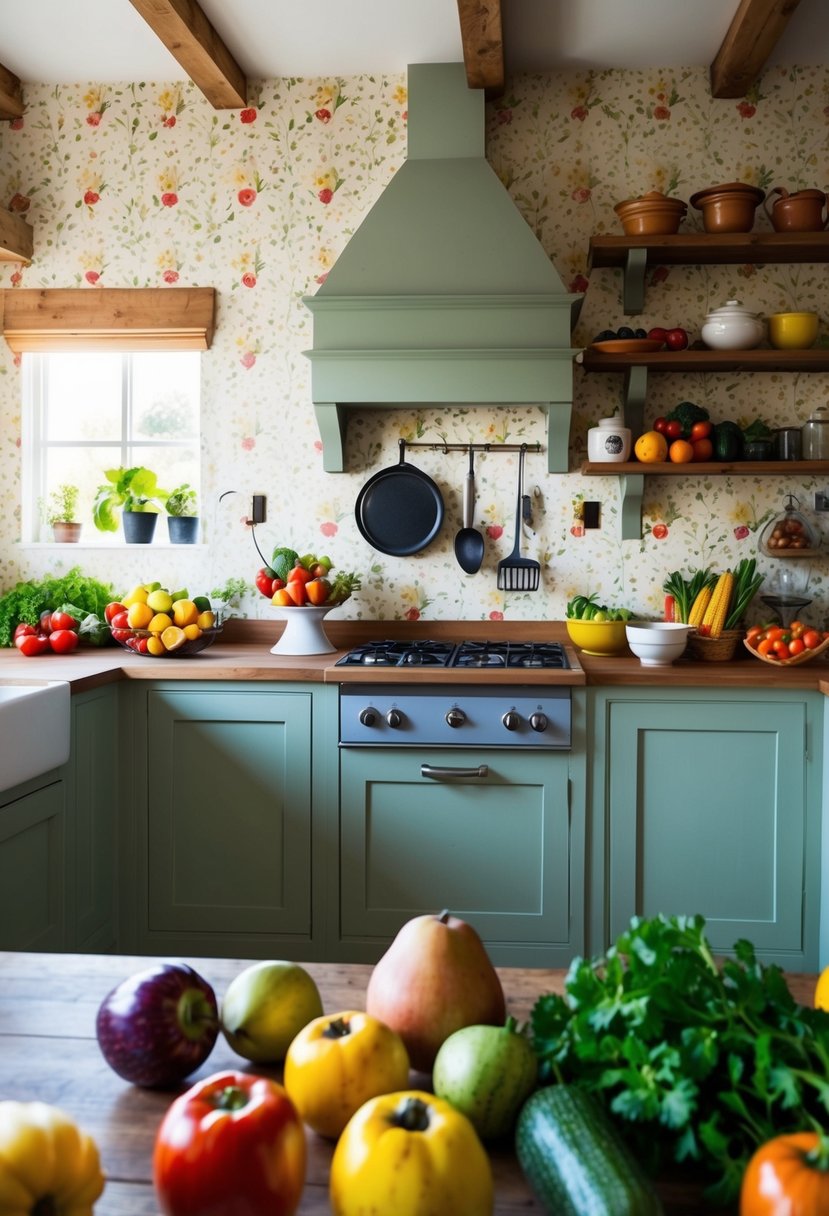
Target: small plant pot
(66, 532)
(183, 529)
(139, 527)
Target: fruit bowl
(598, 637)
(303, 632)
(805, 656)
(138, 640)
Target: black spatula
(517, 573)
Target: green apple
(487, 1073)
(266, 1006)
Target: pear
(266, 1006)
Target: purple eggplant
(158, 1026)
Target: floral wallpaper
(146, 185)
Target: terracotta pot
(728, 208)
(799, 212)
(66, 532)
(653, 214)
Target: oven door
(485, 833)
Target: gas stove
(496, 656)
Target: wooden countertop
(48, 1053)
(244, 653)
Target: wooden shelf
(635, 253)
(705, 360)
(732, 468)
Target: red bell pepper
(267, 582)
(232, 1143)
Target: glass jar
(790, 534)
(816, 435)
(609, 440)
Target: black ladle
(469, 544)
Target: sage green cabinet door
(92, 780)
(228, 818)
(32, 910)
(709, 808)
(495, 850)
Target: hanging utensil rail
(475, 447)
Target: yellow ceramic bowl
(793, 330)
(598, 637)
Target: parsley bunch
(700, 1064)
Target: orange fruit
(822, 991)
(651, 448)
(681, 451)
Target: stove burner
(510, 654)
(399, 654)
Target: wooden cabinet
(223, 818)
(32, 865)
(710, 804)
(504, 851)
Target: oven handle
(440, 771)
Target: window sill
(100, 546)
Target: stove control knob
(455, 717)
(511, 720)
(539, 721)
(368, 716)
(394, 718)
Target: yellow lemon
(173, 637)
(822, 991)
(185, 612)
(139, 615)
(138, 595)
(155, 646)
(651, 448)
(206, 620)
(160, 600)
(159, 622)
(191, 632)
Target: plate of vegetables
(786, 647)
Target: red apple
(657, 334)
(435, 978)
(676, 339)
(159, 1025)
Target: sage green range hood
(443, 295)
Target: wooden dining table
(49, 1053)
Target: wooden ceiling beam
(194, 44)
(752, 36)
(11, 95)
(483, 44)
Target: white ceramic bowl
(656, 643)
(732, 327)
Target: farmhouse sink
(34, 729)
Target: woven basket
(715, 650)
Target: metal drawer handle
(439, 771)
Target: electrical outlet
(592, 514)
(258, 511)
(821, 500)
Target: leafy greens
(26, 601)
(700, 1064)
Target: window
(88, 411)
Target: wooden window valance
(129, 318)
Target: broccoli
(686, 414)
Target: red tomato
(46, 621)
(765, 646)
(63, 641)
(673, 429)
(796, 646)
(754, 632)
(703, 449)
(62, 620)
(781, 648)
(700, 430)
(232, 1143)
(811, 639)
(120, 620)
(23, 630)
(661, 425)
(298, 575)
(32, 644)
(676, 339)
(112, 609)
(264, 581)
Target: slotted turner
(517, 573)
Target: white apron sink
(34, 730)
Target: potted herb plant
(60, 510)
(137, 494)
(182, 515)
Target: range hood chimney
(443, 295)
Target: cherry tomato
(765, 646)
(63, 641)
(701, 430)
(676, 339)
(121, 635)
(31, 644)
(62, 620)
(754, 632)
(673, 429)
(112, 609)
(781, 648)
(796, 646)
(811, 639)
(703, 448)
(661, 425)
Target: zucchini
(575, 1159)
(728, 441)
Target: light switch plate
(592, 514)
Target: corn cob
(716, 612)
(699, 606)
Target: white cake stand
(303, 633)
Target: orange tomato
(681, 451)
(700, 430)
(811, 639)
(754, 632)
(796, 646)
(765, 646)
(781, 648)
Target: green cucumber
(575, 1159)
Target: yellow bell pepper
(337, 1062)
(412, 1154)
(47, 1164)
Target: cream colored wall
(147, 184)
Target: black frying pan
(400, 509)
